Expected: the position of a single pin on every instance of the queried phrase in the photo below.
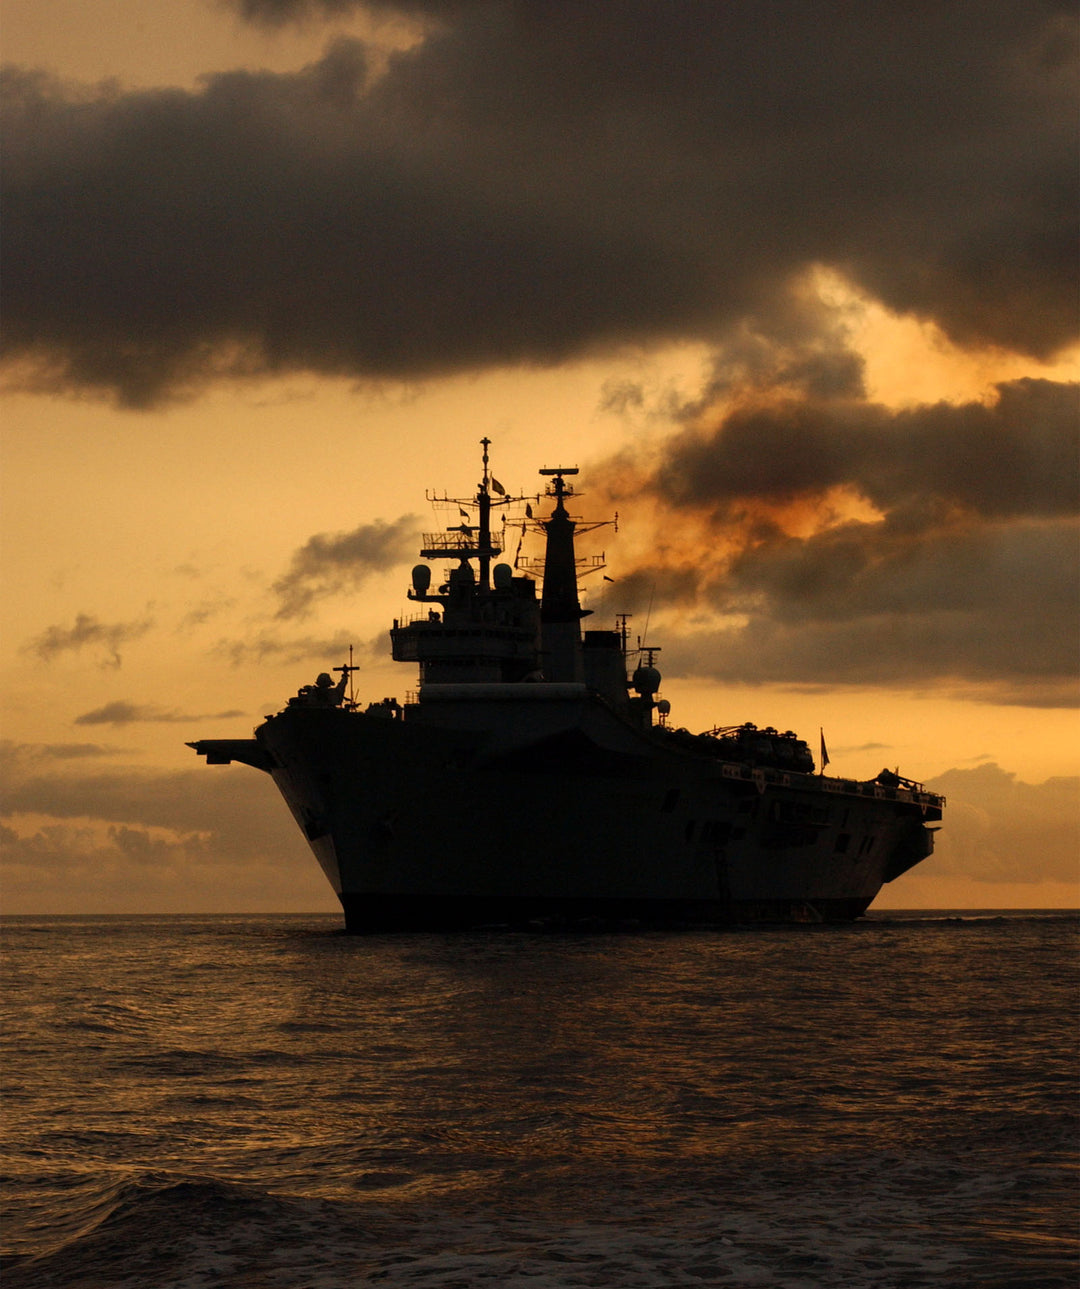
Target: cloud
(332, 562)
(68, 867)
(270, 648)
(999, 829)
(276, 13)
(130, 839)
(203, 612)
(533, 183)
(1015, 456)
(837, 541)
(123, 713)
(80, 868)
(183, 801)
(923, 650)
(12, 753)
(87, 631)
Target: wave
(890, 917)
(163, 1230)
(865, 1223)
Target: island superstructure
(534, 777)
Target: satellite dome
(646, 680)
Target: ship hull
(455, 817)
(371, 913)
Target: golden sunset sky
(793, 284)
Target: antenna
(648, 615)
(347, 673)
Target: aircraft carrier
(535, 778)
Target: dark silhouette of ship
(529, 780)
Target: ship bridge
(492, 636)
(490, 623)
(478, 629)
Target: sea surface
(264, 1101)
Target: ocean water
(264, 1101)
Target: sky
(793, 284)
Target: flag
(824, 752)
(498, 486)
(464, 513)
(528, 511)
(608, 579)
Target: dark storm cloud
(1016, 456)
(989, 655)
(534, 182)
(331, 562)
(969, 576)
(122, 713)
(88, 631)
